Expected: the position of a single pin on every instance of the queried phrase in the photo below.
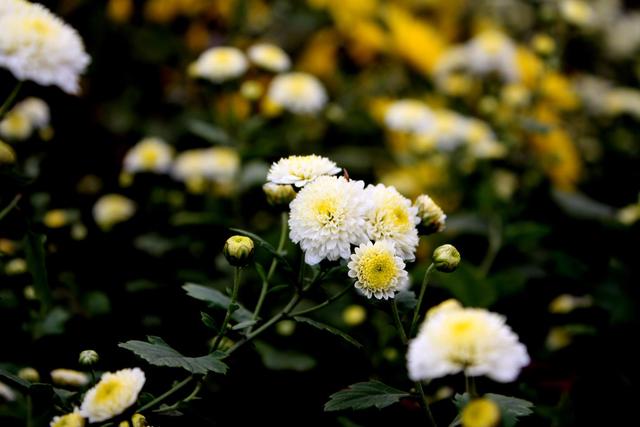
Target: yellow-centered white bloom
(149, 155)
(74, 419)
(392, 218)
(298, 93)
(577, 12)
(219, 64)
(36, 110)
(36, 45)
(112, 209)
(327, 217)
(69, 377)
(300, 170)
(378, 271)
(218, 164)
(492, 51)
(115, 392)
(409, 115)
(269, 56)
(454, 339)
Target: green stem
(9, 101)
(189, 398)
(425, 404)
(417, 310)
(165, 395)
(272, 269)
(230, 309)
(495, 243)
(29, 411)
(470, 385)
(396, 318)
(323, 304)
(10, 206)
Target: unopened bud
(432, 218)
(446, 258)
(29, 374)
(238, 250)
(88, 358)
(279, 194)
(481, 412)
(252, 90)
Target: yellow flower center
(107, 389)
(70, 420)
(39, 26)
(328, 212)
(491, 42)
(298, 86)
(149, 157)
(480, 413)
(377, 269)
(223, 57)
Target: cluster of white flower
(36, 45)
(601, 97)
(24, 118)
(374, 227)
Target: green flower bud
(446, 258)
(238, 250)
(88, 358)
(29, 374)
(278, 195)
(432, 218)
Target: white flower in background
(69, 377)
(269, 56)
(623, 101)
(26, 116)
(448, 129)
(301, 170)
(149, 155)
(36, 45)
(409, 115)
(432, 217)
(188, 165)
(115, 392)
(453, 339)
(577, 12)
(220, 164)
(482, 141)
(199, 167)
(219, 64)
(112, 209)
(492, 51)
(36, 110)
(73, 419)
(392, 218)
(7, 393)
(327, 217)
(378, 271)
(299, 93)
(622, 37)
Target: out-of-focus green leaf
(283, 360)
(365, 395)
(467, 286)
(582, 206)
(97, 303)
(52, 323)
(216, 299)
(34, 248)
(406, 301)
(209, 132)
(208, 321)
(331, 329)
(157, 352)
(14, 380)
(244, 325)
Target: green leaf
(34, 247)
(208, 321)
(511, 408)
(263, 243)
(581, 206)
(14, 380)
(365, 395)
(212, 134)
(331, 329)
(158, 353)
(406, 301)
(217, 299)
(244, 325)
(282, 360)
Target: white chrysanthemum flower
(391, 217)
(301, 170)
(623, 101)
(623, 36)
(492, 52)
(448, 129)
(69, 377)
(36, 45)
(409, 115)
(577, 12)
(431, 215)
(112, 209)
(219, 64)
(149, 155)
(269, 57)
(115, 392)
(73, 419)
(327, 217)
(378, 271)
(454, 339)
(221, 164)
(299, 93)
(36, 110)
(9, 6)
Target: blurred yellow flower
(120, 10)
(7, 154)
(480, 412)
(73, 419)
(557, 89)
(319, 56)
(112, 209)
(56, 218)
(354, 315)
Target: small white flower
(453, 339)
(219, 164)
(114, 393)
(112, 209)
(149, 155)
(219, 64)
(577, 12)
(69, 377)
(327, 217)
(431, 215)
(7, 393)
(73, 419)
(492, 51)
(269, 57)
(36, 45)
(36, 110)
(392, 218)
(378, 271)
(299, 93)
(409, 115)
(300, 170)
